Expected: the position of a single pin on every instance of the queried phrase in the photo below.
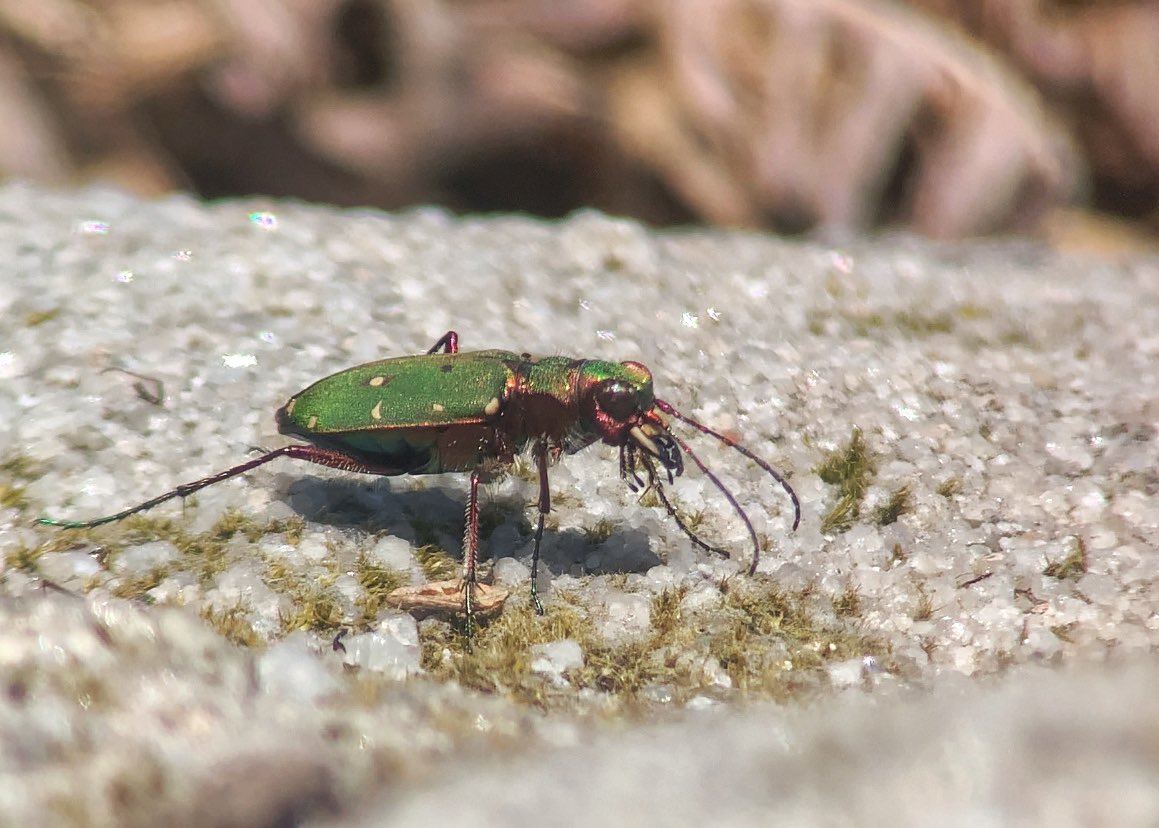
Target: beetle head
(617, 405)
(620, 407)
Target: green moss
(617, 581)
(971, 312)
(841, 516)
(234, 625)
(12, 497)
(769, 641)
(136, 587)
(864, 324)
(847, 603)
(649, 499)
(920, 324)
(924, 610)
(600, 532)
(914, 323)
(205, 553)
(949, 487)
(1018, 336)
(892, 509)
(622, 669)
(313, 607)
(21, 467)
(815, 323)
(21, 470)
(850, 468)
(24, 558)
(313, 603)
(524, 468)
(500, 659)
(378, 581)
(1074, 565)
(666, 612)
(437, 564)
(35, 318)
(565, 500)
(772, 643)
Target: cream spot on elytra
(438, 407)
(376, 412)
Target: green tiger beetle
(473, 412)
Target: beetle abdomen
(403, 393)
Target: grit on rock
(971, 430)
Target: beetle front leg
(448, 343)
(544, 508)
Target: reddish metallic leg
(471, 554)
(313, 454)
(544, 508)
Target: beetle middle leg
(541, 450)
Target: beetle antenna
(671, 410)
(655, 485)
(728, 496)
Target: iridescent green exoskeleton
(446, 411)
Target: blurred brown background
(829, 116)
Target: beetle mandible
(447, 411)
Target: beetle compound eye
(618, 400)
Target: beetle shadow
(435, 514)
(575, 552)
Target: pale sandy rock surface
(1011, 606)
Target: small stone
(628, 614)
(511, 572)
(555, 658)
(392, 552)
(846, 674)
(145, 557)
(66, 567)
(290, 668)
(392, 649)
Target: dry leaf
(446, 598)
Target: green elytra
(474, 412)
